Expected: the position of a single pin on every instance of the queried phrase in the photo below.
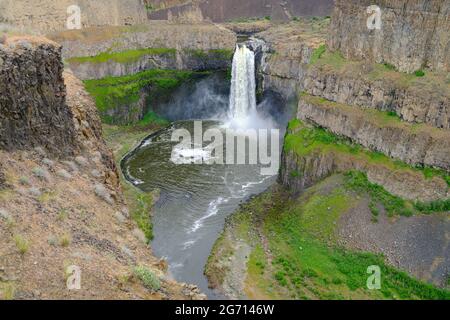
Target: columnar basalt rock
(416, 145)
(120, 51)
(415, 104)
(33, 110)
(312, 168)
(413, 34)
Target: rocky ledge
(419, 145)
(413, 34)
(100, 52)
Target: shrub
(52, 240)
(141, 214)
(419, 73)
(24, 181)
(65, 240)
(41, 173)
(103, 193)
(434, 206)
(62, 215)
(374, 209)
(21, 244)
(8, 291)
(317, 53)
(389, 66)
(148, 278)
(280, 277)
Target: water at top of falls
(243, 86)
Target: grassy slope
(432, 83)
(294, 254)
(127, 56)
(130, 56)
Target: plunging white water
(243, 86)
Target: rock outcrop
(413, 34)
(119, 51)
(33, 109)
(224, 10)
(418, 145)
(283, 53)
(312, 168)
(44, 16)
(420, 101)
(286, 66)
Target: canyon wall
(372, 108)
(43, 16)
(174, 53)
(226, 10)
(119, 51)
(33, 109)
(413, 34)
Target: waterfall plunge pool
(195, 199)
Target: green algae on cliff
(124, 92)
(127, 56)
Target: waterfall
(243, 85)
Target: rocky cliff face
(283, 53)
(224, 10)
(417, 145)
(374, 106)
(413, 35)
(44, 16)
(285, 66)
(120, 51)
(33, 109)
(411, 102)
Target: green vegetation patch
(430, 83)
(393, 205)
(141, 209)
(148, 278)
(128, 56)
(305, 264)
(317, 53)
(214, 54)
(116, 92)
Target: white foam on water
(134, 181)
(188, 244)
(213, 209)
(183, 155)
